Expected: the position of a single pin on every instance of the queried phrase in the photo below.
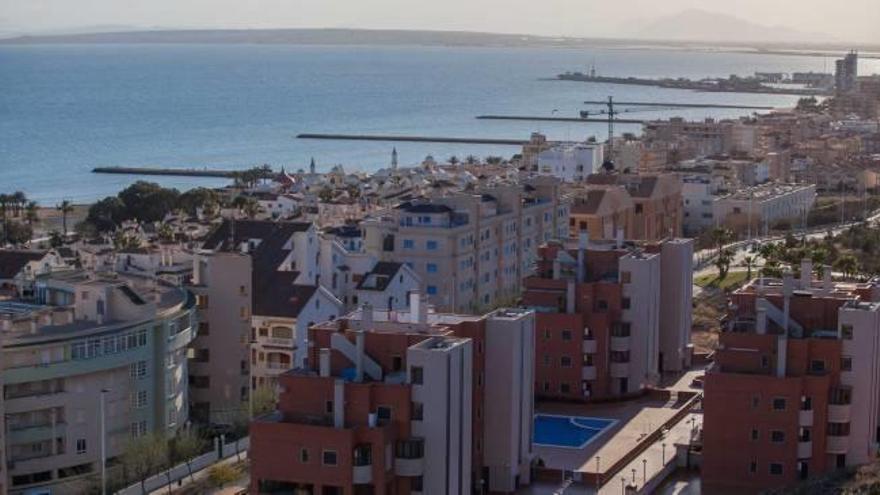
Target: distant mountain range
(702, 25)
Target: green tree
(165, 232)
(148, 201)
(194, 199)
(749, 261)
(55, 239)
(263, 401)
(186, 446)
(32, 213)
(848, 265)
(18, 233)
(222, 474)
(106, 214)
(143, 457)
(65, 208)
(722, 262)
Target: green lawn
(733, 279)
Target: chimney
(570, 291)
(359, 356)
(761, 316)
(583, 241)
(324, 360)
(806, 273)
(339, 404)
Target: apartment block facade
(85, 339)
(603, 326)
(471, 250)
(401, 403)
(793, 391)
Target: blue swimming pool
(572, 432)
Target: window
(625, 303)
(564, 388)
(204, 328)
(138, 369)
(753, 467)
(328, 407)
(806, 403)
(432, 290)
(328, 458)
(639, 209)
(81, 446)
(846, 363)
(546, 360)
(304, 456)
(838, 429)
(418, 411)
(846, 332)
(588, 360)
(779, 404)
(384, 413)
(817, 366)
(775, 468)
(566, 335)
(431, 245)
(202, 301)
(755, 401)
(141, 338)
(546, 386)
(409, 244)
(139, 399)
(625, 277)
(620, 329)
(431, 267)
(416, 375)
(138, 429)
(777, 436)
(754, 435)
(565, 362)
(619, 356)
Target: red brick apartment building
(611, 316)
(782, 406)
(399, 402)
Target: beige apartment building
(471, 250)
(656, 207)
(86, 339)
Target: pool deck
(635, 420)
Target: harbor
(175, 172)
(413, 139)
(733, 84)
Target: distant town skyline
(770, 20)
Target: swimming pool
(571, 432)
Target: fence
(180, 472)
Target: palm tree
(32, 212)
(18, 201)
(723, 263)
(749, 261)
(65, 207)
(848, 265)
(453, 160)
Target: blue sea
(65, 109)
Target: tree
(148, 201)
(107, 214)
(55, 239)
(848, 265)
(721, 237)
(18, 233)
(165, 233)
(263, 401)
(453, 160)
(222, 474)
(19, 199)
(65, 208)
(199, 198)
(749, 261)
(143, 457)
(186, 446)
(124, 241)
(722, 262)
(32, 213)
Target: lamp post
(103, 442)
(663, 454)
(598, 480)
(634, 475)
(622, 485)
(644, 471)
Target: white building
(387, 286)
(570, 162)
(759, 208)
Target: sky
(844, 20)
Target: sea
(65, 109)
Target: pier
(559, 119)
(680, 105)
(414, 139)
(178, 172)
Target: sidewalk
(202, 476)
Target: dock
(680, 105)
(559, 119)
(177, 172)
(414, 139)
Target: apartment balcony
(619, 370)
(409, 459)
(805, 418)
(21, 434)
(275, 341)
(805, 450)
(588, 373)
(839, 413)
(409, 467)
(837, 444)
(362, 475)
(589, 346)
(620, 343)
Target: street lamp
(103, 443)
(622, 485)
(663, 454)
(644, 471)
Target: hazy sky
(841, 19)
